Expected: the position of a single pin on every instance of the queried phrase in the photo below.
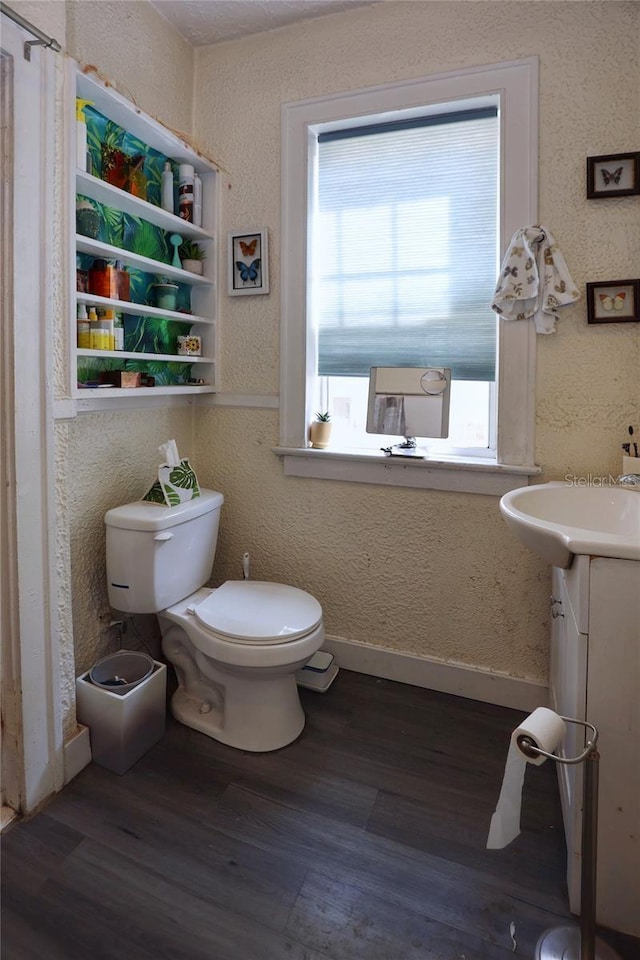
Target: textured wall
(139, 52)
(48, 15)
(112, 459)
(427, 572)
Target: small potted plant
(320, 431)
(191, 255)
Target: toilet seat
(255, 612)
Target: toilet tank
(158, 555)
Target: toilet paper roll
(546, 729)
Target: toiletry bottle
(167, 188)
(197, 200)
(123, 282)
(108, 325)
(95, 333)
(118, 333)
(84, 328)
(102, 279)
(81, 133)
(82, 276)
(185, 192)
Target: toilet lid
(253, 611)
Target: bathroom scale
(318, 673)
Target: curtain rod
(43, 39)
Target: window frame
(515, 84)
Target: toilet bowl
(239, 687)
(235, 649)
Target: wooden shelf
(140, 309)
(89, 186)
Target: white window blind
(404, 245)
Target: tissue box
(174, 485)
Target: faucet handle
(630, 480)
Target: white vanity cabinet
(595, 676)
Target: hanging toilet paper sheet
(176, 481)
(546, 729)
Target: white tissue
(169, 453)
(547, 731)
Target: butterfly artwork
(614, 175)
(248, 262)
(249, 272)
(248, 249)
(616, 302)
(611, 176)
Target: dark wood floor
(364, 840)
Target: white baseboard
(77, 753)
(7, 816)
(458, 679)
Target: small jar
(103, 280)
(88, 219)
(165, 295)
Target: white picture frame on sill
(248, 262)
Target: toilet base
(246, 725)
(250, 708)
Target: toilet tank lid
(144, 515)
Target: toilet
(236, 648)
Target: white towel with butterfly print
(534, 280)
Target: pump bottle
(95, 332)
(84, 328)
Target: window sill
(471, 475)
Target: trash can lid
(122, 671)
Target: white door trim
(33, 586)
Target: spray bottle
(81, 133)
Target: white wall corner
(77, 753)
(457, 679)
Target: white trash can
(125, 719)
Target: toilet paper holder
(571, 942)
(531, 749)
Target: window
(403, 258)
(397, 202)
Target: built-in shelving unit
(196, 312)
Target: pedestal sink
(559, 520)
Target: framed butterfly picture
(613, 301)
(614, 175)
(248, 263)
